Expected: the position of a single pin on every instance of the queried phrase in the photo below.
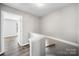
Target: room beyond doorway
(11, 27)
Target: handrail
(61, 40)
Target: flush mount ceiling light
(39, 4)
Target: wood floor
(13, 49)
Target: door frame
(19, 34)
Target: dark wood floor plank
(13, 49)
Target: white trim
(10, 36)
(2, 52)
(22, 44)
(10, 16)
(2, 27)
(63, 41)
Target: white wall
(10, 28)
(78, 23)
(62, 23)
(0, 26)
(30, 23)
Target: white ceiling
(36, 10)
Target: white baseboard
(2, 52)
(23, 44)
(63, 41)
(10, 36)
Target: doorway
(11, 26)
